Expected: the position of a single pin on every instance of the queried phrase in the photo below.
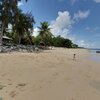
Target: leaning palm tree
(44, 31)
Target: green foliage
(45, 32)
(11, 14)
(62, 42)
(47, 37)
(8, 11)
(27, 40)
(36, 40)
(22, 27)
(55, 41)
(75, 46)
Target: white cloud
(35, 32)
(97, 1)
(62, 24)
(81, 15)
(20, 4)
(92, 29)
(83, 43)
(9, 28)
(72, 1)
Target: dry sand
(49, 75)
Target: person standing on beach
(74, 56)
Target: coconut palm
(8, 12)
(44, 31)
(23, 25)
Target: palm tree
(23, 26)
(8, 11)
(44, 31)
(4, 12)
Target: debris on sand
(2, 86)
(12, 94)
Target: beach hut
(6, 40)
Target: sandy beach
(49, 75)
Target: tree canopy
(22, 27)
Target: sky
(77, 20)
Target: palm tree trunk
(19, 40)
(1, 36)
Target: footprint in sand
(10, 84)
(21, 86)
(3, 75)
(9, 80)
(56, 74)
(12, 94)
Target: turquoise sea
(93, 55)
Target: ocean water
(93, 55)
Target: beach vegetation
(21, 31)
